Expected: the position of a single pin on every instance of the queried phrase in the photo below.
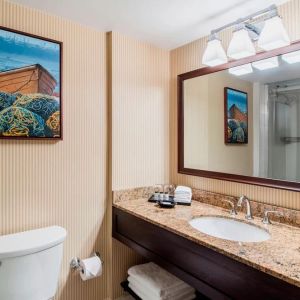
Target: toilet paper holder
(75, 262)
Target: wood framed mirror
(240, 121)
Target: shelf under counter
(214, 274)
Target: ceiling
(164, 23)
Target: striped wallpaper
(188, 58)
(44, 183)
(65, 183)
(140, 113)
(140, 127)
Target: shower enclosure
(283, 130)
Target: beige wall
(196, 130)
(44, 183)
(64, 183)
(204, 125)
(140, 126)
(236, 159)
(140, 113)
(188, 58)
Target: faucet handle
(169, 188)
(266, 219)
(232, 210)
(158, 188)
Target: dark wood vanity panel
(215, 275)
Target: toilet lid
(28, 242)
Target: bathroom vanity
(218, 268)
(236, 122)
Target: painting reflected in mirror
(243, 121)
(236, 116)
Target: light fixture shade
(265, 64)
(241, 70)
(214, 54)
(273, 35)
(240, 45)
(292, 57)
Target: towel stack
(183, 195)
(150, 282)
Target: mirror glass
(245, 120)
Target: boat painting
(30, 86)
(236, 116)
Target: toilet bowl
(30, 263)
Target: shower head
(283, 93)
(282, 99)
(286, 99)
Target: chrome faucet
(266, 219)
(248, 207)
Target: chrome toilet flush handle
(266, 219)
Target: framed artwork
(235, 116)
(30, 86)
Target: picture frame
(235, 116)
(30, 86)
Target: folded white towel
(155, 278)
(183, 197)
(184, 201)
(183, 194)
(180, 291)
(183, 189)
(145, 294)
(138, 291)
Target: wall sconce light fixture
(273, 35)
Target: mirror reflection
(245, 120)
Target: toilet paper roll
(90, 268)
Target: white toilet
(30, 263)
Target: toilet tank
(30, 263)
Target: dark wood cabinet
(215, 275)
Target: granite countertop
(279, 256)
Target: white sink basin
(229, 229)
